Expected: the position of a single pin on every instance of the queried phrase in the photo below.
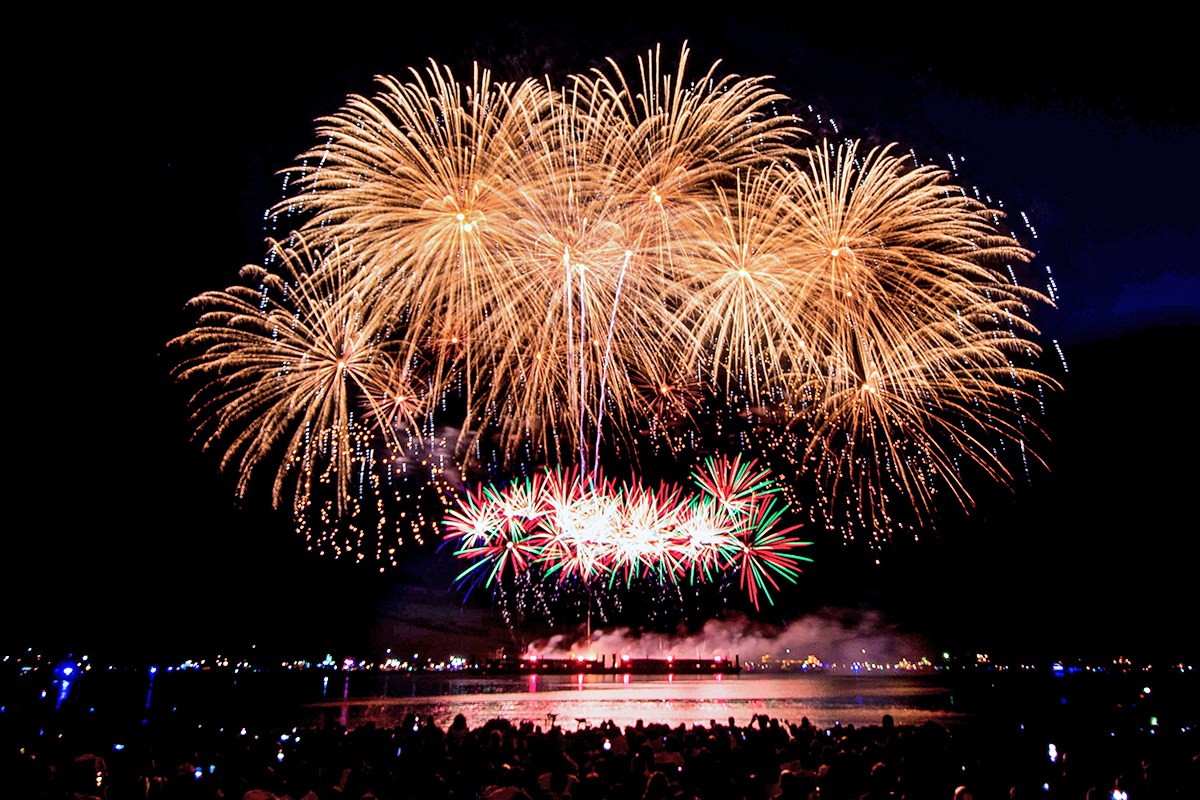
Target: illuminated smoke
(838, 636)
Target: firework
(290, 359)
(597, 531)
(418, 177)
(558, 273)
(742, 305)
(916, 334)
(297, 377)
(661, 133)
(543, 231)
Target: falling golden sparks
(913, 327)
(545, 269)
(289, 359)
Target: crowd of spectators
(766, 759)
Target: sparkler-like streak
(555, 270)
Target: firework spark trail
(612, 321)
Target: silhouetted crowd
(767, 759)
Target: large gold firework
(916, 334)
(522, 260)
(418, 178)
(294, 370)
(741, 305)
(537, 227)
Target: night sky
(144, 163)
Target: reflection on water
(130, 700)
(584, 700)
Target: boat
(617, 665)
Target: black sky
(145, 153)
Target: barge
(614, 665)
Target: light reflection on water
(578, 701)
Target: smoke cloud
(834, 635)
